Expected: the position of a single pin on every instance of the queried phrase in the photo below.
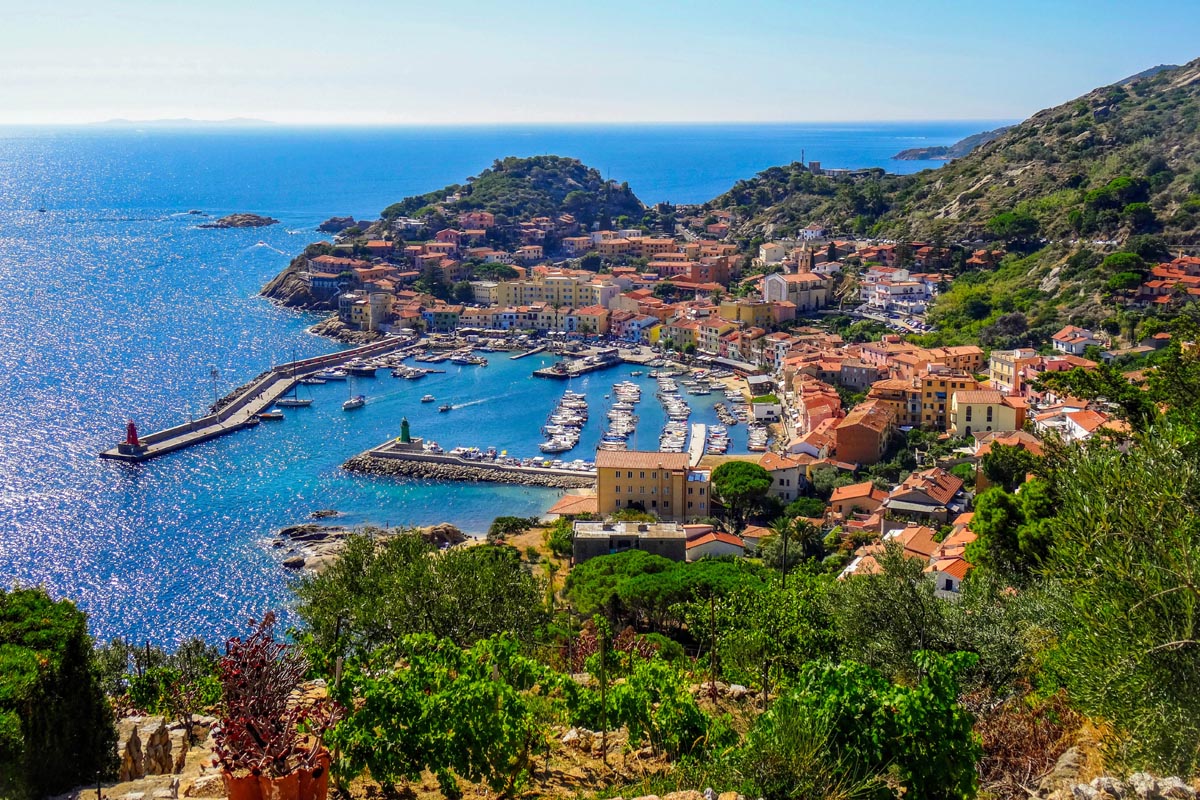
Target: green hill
(520, 188)
(1121, 160)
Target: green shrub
(919, 736)
(56, 728)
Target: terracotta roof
(917, 540)
(716, 536)
(640, 459)
(1088, 420)
(955, 567)
(773, 461)
(938, 484)
(571, 504)
(855, 491)
(979, 396)
(871, 415)
(756, 532)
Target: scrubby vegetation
(520, 188)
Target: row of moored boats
(622, 421)
(565, 424)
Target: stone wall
(407, 468)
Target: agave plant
(266, 727)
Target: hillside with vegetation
(1085, 198)
(520, 188)
(1121, 160)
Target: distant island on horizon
(183, 121)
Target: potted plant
(269, 735)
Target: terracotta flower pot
(314, 784)
(241, 787)
(285, 788)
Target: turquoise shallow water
(116, 305)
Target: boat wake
(267, 246)
(473, 402)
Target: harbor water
(118, 307)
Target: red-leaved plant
(266, 727)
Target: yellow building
(985, 410)
(661, 483)
(754, 313)
(592, 319)
(937, 389)
(680, 333)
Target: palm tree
(783, 528)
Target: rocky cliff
(289, 289)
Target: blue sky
(473, 61)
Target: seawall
(450, 468)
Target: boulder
(1175, 789)
(207, 785)
(156, 747)
(129, 751)
(1066, 772)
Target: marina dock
(532, 352)
(240, 410)
(696, 443)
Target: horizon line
(243, 122)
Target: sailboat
(291, 399)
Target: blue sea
(117, 306)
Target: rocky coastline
(334, 328)
(339, 224)
(241, 221)
(313, 547)
(290, 290)
(472, 473)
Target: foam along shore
(399, 462)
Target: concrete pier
(697, 443)
(255, 398)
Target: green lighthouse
(405, 436)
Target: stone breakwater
(431, 470)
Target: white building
(771, 253)
(813, 231)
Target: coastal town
(887, 435)
(647, 458)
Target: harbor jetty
(533, 352)
(241, 409)
(601, 358)
(696, 443)
(409, 457)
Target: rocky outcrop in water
(472, 473)
(241, 221)
(339, 224)
(313, 547)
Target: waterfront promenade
(239, 410)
